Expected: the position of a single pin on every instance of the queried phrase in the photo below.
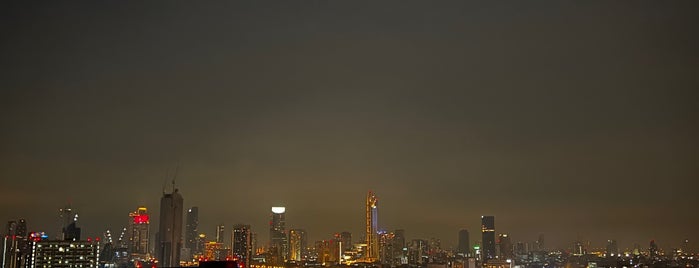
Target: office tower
(22, 228)
(68, 221)
(399, 250)
(464, 246)
(540, 243)
(170, 231)
(72, 231)
(654, 251)
(612, 248)
(242, 243)
(372, 241)
(386, 250)
(335, 250)
(191, 234)
(578, 249)
(488, 237)
(323, 251)
(220, 232)
(139, 228)
(346, 239)
(418, 252)
(47, 253)
(277, 233)
(505, 244)
(297, 244)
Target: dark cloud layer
(573, 119)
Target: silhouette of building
(170, 231)
(488, 237)
(464, 246)
(505, 245)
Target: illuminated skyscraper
(242, 243)
(139, 233)
(297, 244)
(191, 234)
(488, 236)
(170, 231)
(464, 244)
(372, 239)
(277, 233)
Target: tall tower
(242, 243)
(372, 228)
(220, 232)
(277, 232)
(464, 244)
(170, 231)
(297, 244)
(488, 233)
(191, 234)
(139, 233)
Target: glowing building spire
(372, 242)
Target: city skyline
(577, 120)
(487, 224)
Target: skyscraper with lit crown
(277, 232)
(139, 233)
(372, 228)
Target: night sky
(572, 119)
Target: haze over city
(578, 120)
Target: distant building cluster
(179, 243)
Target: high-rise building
(372, 228)
(72, 231)
(242, 243)
(22, 228)
(139, 228)
(488, 237)
(464, 246)
(191, 234)
(64, 254)
(297, 244)
(540, 246)
(399, 250)
(612, 248)
(346, 239)
(653, 250)
(170, 231)
(418, 252)
(277, 233)
(506, 248)
(65, 218)
(386, 250)
(220, 232)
